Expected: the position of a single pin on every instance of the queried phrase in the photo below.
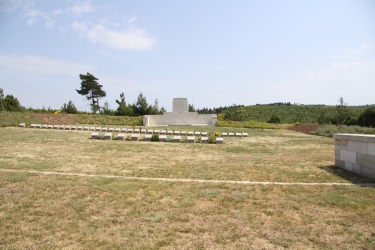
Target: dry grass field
(39, 211)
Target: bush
(169, 139)
(69, 108)
(211, 139)
(274, 119)
(367, 118)
(155, 137)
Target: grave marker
(204, 139)
(121, 137)
(108, 136)
(94, 135)
(134, 137)
(191, 139)
(219, 140)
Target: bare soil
(305, 128)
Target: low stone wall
(356, 153)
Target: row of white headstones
(130, 130)
(134, 137)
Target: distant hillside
(292, 113)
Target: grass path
(192, 180)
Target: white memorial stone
(22, 125)
(183, 133)
(50, 127)
(245, 134)
(73, 128)
(204, 139)
(98, 129)
(219, 140)
(121, 137)
(190, 133)
(104, 129)
(134, 137)
(61, 127)
(231, 134)
(162, 137)
(204, 133)
(55, 126)
(108, 136)
(197, 133)
(130, 130)
(38, 126)
(177, 138)
(170, 132)
(44, 126)
(32, 125)
(238, 135)
(136, 130)
(79, 128)
(94, 135)
(224, 134)
(148, 137)
(176, 132)
(117, 130)
(111, 129)
(149, 131)
(67, 127)
(191, 139)
(124, 130)
(163, 132)
(180, 115)
(92, 128)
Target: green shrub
(155, 137)
(367, 118)
(100, 136)
(169, 139)
(211, 139)
(274, 119)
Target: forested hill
(290, 114)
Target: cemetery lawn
(77, 212)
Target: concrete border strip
(195, 180)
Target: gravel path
(195, 180)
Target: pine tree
(92, 90)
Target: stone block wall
(356, 153)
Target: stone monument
(180, 115)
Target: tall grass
(247, 124)
(108, 120)
(9, 119)
(330, 130)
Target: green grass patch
(10, 119)
(330, 130)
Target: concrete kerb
(194, 180)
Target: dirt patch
(305, 128)
(60, 119)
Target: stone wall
(356, 153)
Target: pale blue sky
(215, 53)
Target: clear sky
(215, 53)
